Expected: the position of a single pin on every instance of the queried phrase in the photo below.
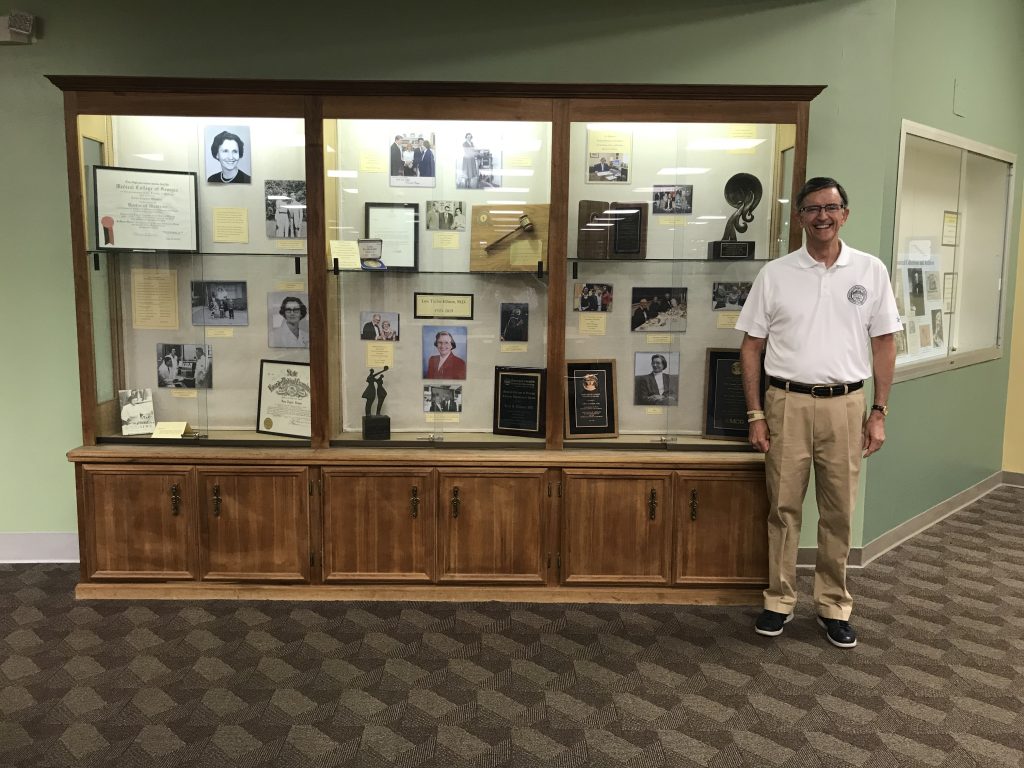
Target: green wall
(853, 46)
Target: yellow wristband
(755, 417)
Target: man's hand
(874, 433)
(759, 437)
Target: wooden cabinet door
(616, 527)
(139, 522)
(490, 524)
(254, 523)
(721, 532)
(379, 526)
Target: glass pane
(200, 224)
(668, 226)
(458, 213)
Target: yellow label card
(513, 346)
(379, 354)
(346, 252)
(154, 299)
(446, 240)
(592, 324)
(220, 333)
(231, 225)
(609, 142)
(659, 338)
(371, 162)
(727, 319)
(291, 245)
(291, 285)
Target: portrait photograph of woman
(228, 154)
(287, 325)
(444, 352)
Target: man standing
(817, 310)
(371, 330)
(397, 165)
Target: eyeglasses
(814, 210)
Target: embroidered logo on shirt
(857, 295)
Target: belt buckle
(826, 387)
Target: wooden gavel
(525, 225)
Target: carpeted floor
(937, 680)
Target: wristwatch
(883, 409)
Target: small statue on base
(376, 427)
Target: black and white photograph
(220, 302)
(592, 297)
(932, 291)
(137, 416)
(228, 154)
(658, 310)
(412, 160)
(287, 325)
(729, 296)
(445, 351)
(446, 216)
(656, 378)
(924, 330)
(442, 398)
(608, 168)
(184, 366)
(378, 326)
(901, 342)
(938, 339)
(285, 208)
(515, 321)
(672, 198)
(476, 168)
(916, 290)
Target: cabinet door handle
(216, 501)
(456, 501)
(175, 500)
(414, 502)
(652, 504)
(693, 504)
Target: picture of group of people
(412, 161)
(220, 302)
(184, 366)
(444, 398)
(285, 208)
(476, 169)
(729, 296)
(378, 326)
(658, 309)
(592, 297)
(446, 216)
(670, 198)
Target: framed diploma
(519, 395)
(145, 210)
(283, 407)
(590, 407)
(397, 226)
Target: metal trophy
(742, 192)
(375, 426)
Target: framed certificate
(519, 395)
(590, 407)
(397, 225)
(145, 210)
(283, 407)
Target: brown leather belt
(816, 390)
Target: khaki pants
(825, 432)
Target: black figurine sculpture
(375, 427)
(742, 192)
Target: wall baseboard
(39, 547)
(1014, 478)
(861, 556)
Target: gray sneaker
(770, 623)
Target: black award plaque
(519, 401)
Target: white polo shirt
(819, 322)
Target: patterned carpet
(937, 680)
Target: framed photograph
(514, 321)
(932, 291)
(729, 297)
(590, 407)
(658, 310)
(519, 401)
(412, 160)
(283, 407)
(446, 216)
(285, 208)
(397, 226)
(445, 353)
(725, 404)
(145, 210)
(938, 338)
(948, 292)
(184, 366)
(442, 398)
(220, 302)
(287, 324)
(592, 297)
(607, 167)
(378, 326)
(228, 154)
(476, 166)
(672, 198)
(137, 416)
(916, 278)
(655, 378)
(431, 306)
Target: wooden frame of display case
(450, 558)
